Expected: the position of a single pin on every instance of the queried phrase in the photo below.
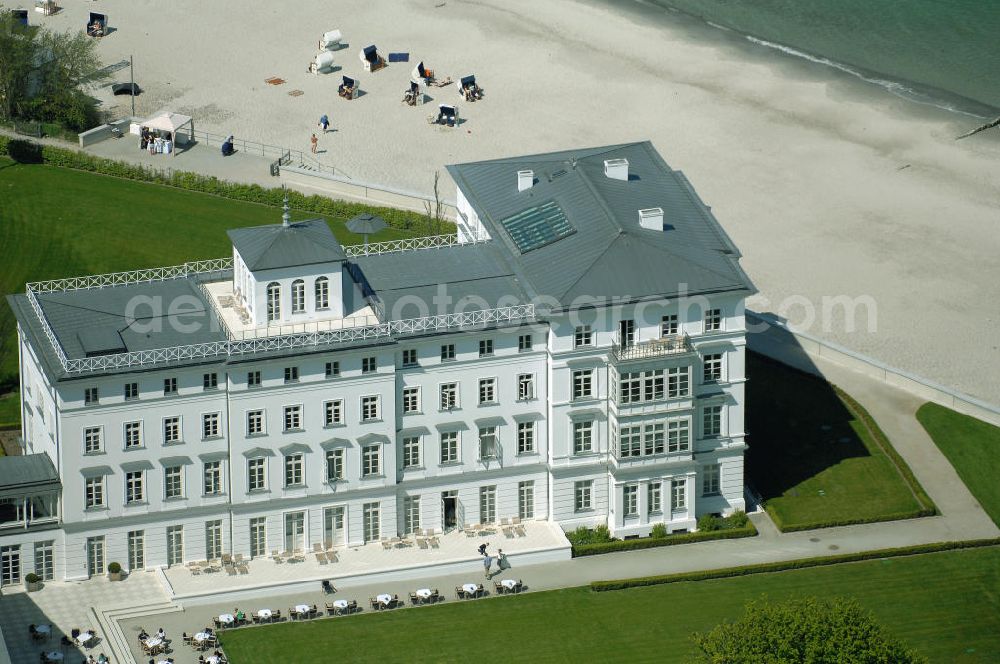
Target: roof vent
(525, 179)
(651, 218)
(616, 169)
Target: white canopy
(172, 122)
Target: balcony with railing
(677, 344)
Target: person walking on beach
(324, 122)
(314, 141)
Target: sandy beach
(830, 187)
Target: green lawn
(973, 448)
(945, 605)
(10, 409)
(57, 222)
(811, 456)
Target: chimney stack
(616, 169)
(651, 218)
(525, 180)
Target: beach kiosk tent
(174, 123)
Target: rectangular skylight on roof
(537, 226)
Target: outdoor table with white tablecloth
(227, 618)
(470, 588)
(54, 656)
(264, 614)
(202, 636)
(212, 659)
(153, 641)
(340, 604)
(423, 593)
(301, 608)
(384, 599)
(44, 629)
(509, 584)
(84, 638)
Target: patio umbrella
(366, 224)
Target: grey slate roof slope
(25, 472)
(276, 246)
(609, 254)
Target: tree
(806, 631)
(435, 211)
(17, 52)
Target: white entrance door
(95, 556)
(295, 531)
(334, 533)
(10, 565)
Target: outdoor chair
(352, 606)
(374, 603)
(242, 568)
(230, 570)
(480, 591)
(498, 587)
(317, 547)
(414, 599)
(460, 592)
(195, 571)
(422, 543)
(277, 615)
(320, 557)
(255, 618)
(520, 531)
(292, 615)
(331, 610)
(386, 544)
(514, 520)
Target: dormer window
(322, 293)
(273, 301)
(298, 296)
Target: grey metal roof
(25, 472)
(610, 254)
(276, 246)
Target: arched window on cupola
(273, 301)
(298, 296)
(322, 293)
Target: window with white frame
(487, 504)
(678, 435)
(173, 482)
(291, 374)
(169, 386)
(371, 463)
(447, 352)
(449, 396)
(256, 475)
(630, 442)
(371, 516)
(253, 379)
(332, 369)
(131, 391)
(136, 550)
(298, 296)
(175, 545)
(369, 408)
(409, 357)
(92, 440)
(411, 514)
(583, 384)
(369, 364)
(322, 291)
(133, 487)
(273, 301)
(525, 437)
(652, 438)
(626, 332)
(713, 320)
(333, 412)
(487, 390)
(525, 387)
(524, 343)
(335, 464)
(133, 435)
(668, 325)
(411, 452)
(213, 539)
(293, 418)
(678, 382)
(212, 477)
(210, 381)
(449, 447)
(653, 503)
(583, 437)
(630, 500)
(91, 396)
(711, 421)
(411, 399)
(45, 559)
(712, 367)
(485, 347)
(294, 469)
(488, 447)
(640, 386)
(582, 495)
(678, 494)
(94, 492)
(526, 499)
(258, 536)
(209, 426)
(583, 335)
(710, 480)
(255, 422)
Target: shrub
(25, 152)
(659, 531)
(31, 577)
(580, 550)
(709, 522)
(114, 568)
(737, 519)
(583, 535)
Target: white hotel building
(575, 355)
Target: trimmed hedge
(815, 525)
(802, 563)
(30, 152)
(581, 550)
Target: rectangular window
(583, 437)
(583, 335)
(713, 367)
(258, 536)
(169, 386)
(332, 369)
(713, 320)
(678, 436)
(487, 390)
(334, 465)
(488, 446)
(370, 460)
(173, 482)
(133, 487)
(411, 399)
(449, 447)
(447, 352)
(652, 439)
(322, 291)
(411, 452)
(45, 560)
(210, 381)
(175, 545)
(668, 325)
(711, 421)
(94, 492)
(525, 387)
(487, 504)
(131, 391)
(92, 443)
(209, 426)
(525, 437)
(293, 418)
(95, 556)
(253, 379)
(630, 500)
(256, 477)
(678, 494)
(409, 357)
(526, 499)
(298, 297)
(333, 412)
(369, 365)
(133, 435)
(582, 495)
(485, 347)
(583, 384)
(678, 382)
(449, 396)
(213, 540)
(710, 480)
(294, 470)
(411, 514)
(291, 374)
(371, 515)
(91, 397)
(524, 343)
(626, 332)
(369, 408)
(630, 442)
(653, 498)
(255, 422)
(213, 478)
